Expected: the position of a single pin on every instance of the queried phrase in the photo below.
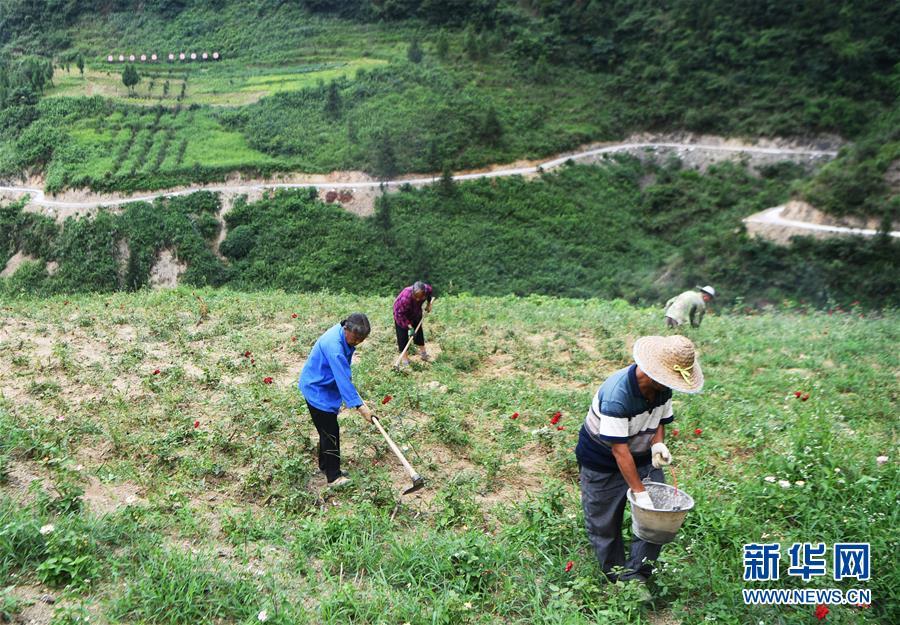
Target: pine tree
(414, 53)
(385, 161)
(442, 45)
(130, 77)
(471, 45)
(447, 187)
(434, 156)
(79, 61)
(333, 101)
(383, 213)
(491, 129)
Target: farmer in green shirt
(689, 306)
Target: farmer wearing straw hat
(688, 306)
(621, 443)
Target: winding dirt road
(39, 198)
(693, 152)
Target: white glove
(661, 455)
(643, 500)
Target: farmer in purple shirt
(408, 313)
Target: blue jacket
(326, 379)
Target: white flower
(881, 459)
(79, 467)
(837, 469)
(467, 605)
(770, 479)
(263, 616)
(784, 483)
(800, 483)
(46, 529)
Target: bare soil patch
(166, 270)
(13, 264)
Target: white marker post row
(181, 56)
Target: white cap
(708, 290)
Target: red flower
(294, 316)
(267, 380)
(66, 303)
(821, 611)
(698, 432)
(386, 399)
(569, 566)
(675, 432)
(156, 372)
(805, 397)
(252, 361)
(798, 393)
(555, 418)
(247, 354)
(196, 424)
(514, 415)
(293, 338)
(560, 427)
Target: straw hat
(708, 290)
(670, 361)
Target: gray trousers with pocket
(603, 500)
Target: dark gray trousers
(603, 500)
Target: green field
(317, 87)
(620, 229)
(231, 84)
(191, 495)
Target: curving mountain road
(773, 217)
(39, 198)
(769, 217)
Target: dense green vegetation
(865, 178)
(181, 487)
(88, 251)
(623, 229)
(489, 81)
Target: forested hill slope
(416, 85)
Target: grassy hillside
(411, 85)
(621, 229)
(182, 488)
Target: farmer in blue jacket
(326, 382)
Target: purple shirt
(407, 311)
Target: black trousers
(329, 441)
(403, 336)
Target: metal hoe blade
(418, 484)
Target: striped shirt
(621, 414)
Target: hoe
(418, 481)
